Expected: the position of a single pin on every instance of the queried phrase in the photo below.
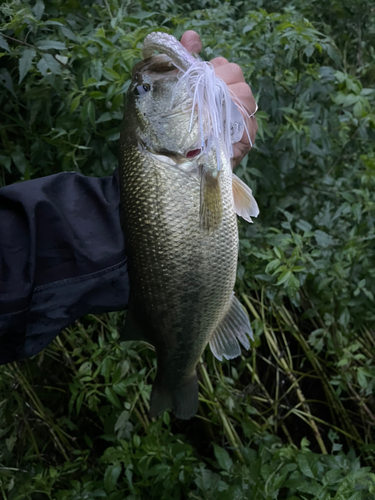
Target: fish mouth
(173, 113)
(157, 65)
(176, 156)
(173, 157)
(194, 150)
(193, 153)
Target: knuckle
(245, 90)
(236, 72)
(219, 61)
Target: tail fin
(161, 399)
(183, 400)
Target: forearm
(62, 256)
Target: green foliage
(84, 433)
(73, 421)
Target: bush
(291, 419)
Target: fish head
(158, 113)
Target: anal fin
(234, 327)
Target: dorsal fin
(244, 202)
(234, 327)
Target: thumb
(191, 41)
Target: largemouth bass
(180, 226)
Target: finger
(240, 150)
(218, 61)
(243, 94)
(231, 73)
(191, 41)
(248, 139)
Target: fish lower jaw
(163, 158)
(183, 165)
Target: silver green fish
(180, 225)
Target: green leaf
(80, 401)
(323, 239)
(305, 461)
(106, 368)
(122, 420)
(6, 162)
(38, 9)
(130, 380)
(111, 74)
(47, 62)
(75, 103)
(50, 44)
(284, 276)
(111, 395)
(105, 117)
(96, 94)
(278, 252)
(62, 59)
(223, 458)
(69, 34)
(121, 388)
(53, 23)
(358, 109)
(117, 102)
(19, 160)
(272, 265)
(25, 62)
(88, 111)
(367, 92)
(6, 81)
(362, 378)
(111, 476)
(91, 112)
(4, 43)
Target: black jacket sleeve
(62, 255)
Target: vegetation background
(294, 417)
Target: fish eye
(141, 90)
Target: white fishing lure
(219, 118)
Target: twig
(362, 404)
(66, 66)
(342, 154)
(229, 430)
(108, 8)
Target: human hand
(232, 75)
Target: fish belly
(181, 275)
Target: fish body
(180, 226)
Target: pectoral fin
(234, 327)
(211, 205)
(244, 202)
